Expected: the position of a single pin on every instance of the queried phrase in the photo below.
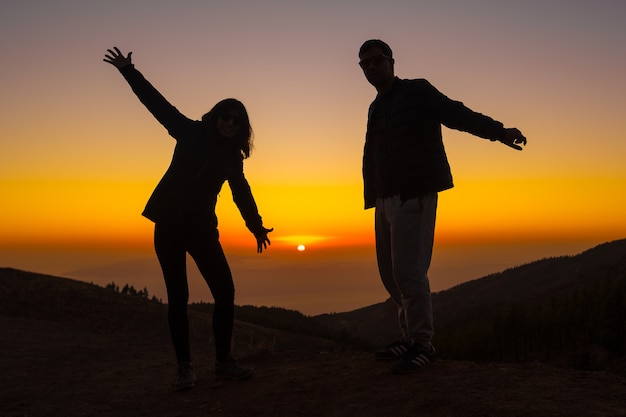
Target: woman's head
(229, 119)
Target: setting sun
(301, 248)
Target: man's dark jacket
(413, 135)
(187, 193)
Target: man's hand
(262, 240)
(513, 138)
(117, 58)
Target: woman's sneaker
(393, 351)
(414, 359)
(186, 377)
(232, 370)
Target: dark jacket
(187, 193)
(418, 159)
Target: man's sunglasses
(375, 60)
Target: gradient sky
(80, 155)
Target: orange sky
(80, 155)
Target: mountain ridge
(551, 283)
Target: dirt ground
(59, 369)
(72, 349)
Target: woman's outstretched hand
(262, 240)
(116, 58)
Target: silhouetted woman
(182, 206)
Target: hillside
(73, 349)
(567, 311)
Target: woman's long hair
(243, 138)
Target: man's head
(376, 61)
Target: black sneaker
(231, 369)
(414, 359)
(186, 377)
(393, 351)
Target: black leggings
(171, 246)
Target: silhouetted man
(404, 167)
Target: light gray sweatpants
(404, 244)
